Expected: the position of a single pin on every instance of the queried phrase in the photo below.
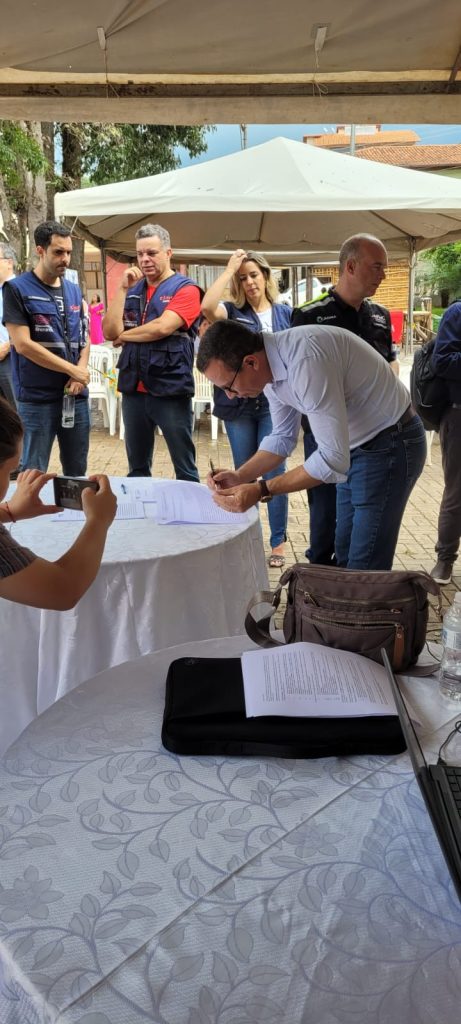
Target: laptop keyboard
(453, 777)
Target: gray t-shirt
(13, 557)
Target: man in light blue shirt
(370, 441)
(8, 263)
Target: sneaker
(441, 572)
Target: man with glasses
(8, 263)
(370, 442)
(154, 317)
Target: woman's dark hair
(11, 431)
(95, 298)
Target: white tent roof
(281, 197)
(180, 62)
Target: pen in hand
(123, 488)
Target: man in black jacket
(446, 362)
(362, 268)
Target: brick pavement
(415, 548)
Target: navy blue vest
(231, 408)
(164, 367)
(34, 383)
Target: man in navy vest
(154, 316)
(43, 314)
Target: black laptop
(440, 785)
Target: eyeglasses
(230, 387)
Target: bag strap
(259, 629)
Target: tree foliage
(19, 151)
(119, 152)
(38, 160)
(441, 268)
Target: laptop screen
(414, 748)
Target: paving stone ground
(415, 549)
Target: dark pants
(449, 527)
(245, 434)
(42, 423)
(141, 415)
(6, 385)
(322, 516)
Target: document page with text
(306, 680)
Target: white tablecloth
(139, 886)
(157, 586)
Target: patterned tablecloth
(157, 586)
(141, 886)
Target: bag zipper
(399, 631)
(309, 599)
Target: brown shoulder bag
(350, 610)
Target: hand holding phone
(68, 490)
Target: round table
(157, 586)
(138, 885)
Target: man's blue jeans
(371, 503)
(322, 515)
(141, 415)
(245, 434)
(42, 424)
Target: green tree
(37, 160)
(23, 170)
(441, 270)
(119, 152)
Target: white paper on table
(125, 510)
(134, 488)
(182, 501)
(306, 680)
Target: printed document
(305, 680)
(187, 502)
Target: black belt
(405, 418)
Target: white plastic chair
(99, 389)
(203, 397)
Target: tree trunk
(72, 178)
(36, 193)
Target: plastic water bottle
(68, 410)
(450, 668)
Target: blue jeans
(322, 516)
(141, 415)
(42, 423)
(245, 434)
(371, 503)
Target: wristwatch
(265, 492)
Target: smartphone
(68, 490)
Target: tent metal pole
(103, 271)
(411, 294)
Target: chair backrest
(397, 318)
(203, 387)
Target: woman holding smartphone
(253, 292)
(24, 577)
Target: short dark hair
(43, 232)
(11, 431)
(228, 341)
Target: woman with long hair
(253, 291)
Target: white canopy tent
(282, 197)
(285, 198)
(177, 62)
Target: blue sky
(226, 139)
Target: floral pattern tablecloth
(140, 886)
